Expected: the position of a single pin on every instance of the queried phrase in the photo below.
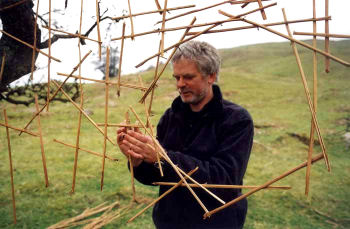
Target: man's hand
(141, 144)
(137, 145)
(125, 147)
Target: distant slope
(278, 59)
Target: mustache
(184, 90)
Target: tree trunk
(18, 21)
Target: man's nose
(180, 83)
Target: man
(199, 129)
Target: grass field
(262, 78)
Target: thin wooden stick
(77, 142)
(249, 12)
(131, 22)
(120, 125)
(85, 150)
(155, 76)
(49, 62)
(106, 118)
(120, 60)
(312, 130)
(322, 34)
(307, 93)
(34, 44)
(163, 27)
(326, 29)
(11, 169)
(84, 113)
(177, 28)
(298, 42)
(160, 10)
(254, 27)
(162, 196)
(179, 43)
(223, 186)
(71, 34)
(19, 129)
(29, 45)
(244, 5)
(208, 7)
(98, 28)
(2, 65)
(314, 159)
(54, 94)
(13, 5)
(103, 81)
(220, 30)
(262, 10)
(127, 122)
(43, 158)
(158, 5)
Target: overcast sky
(145, 46)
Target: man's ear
(212, 78)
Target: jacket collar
(212, 108)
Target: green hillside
(263, 78)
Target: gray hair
(203, 54)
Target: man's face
(194, 88)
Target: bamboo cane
(29, 45)
(208, 7)
(120, 125)
(163, 27)
(312, 130)
(34, 43)
(104, 81)
(249, 12)
(11, 169)
(326, 29)
(71, 34)
(43, 158)
(131, 22)
(153, 84)
(158, 5)
(263, 14)
(162, 196)
(120, 60)
(98, 28)
(77, 142)
(106, 119)
(49, 62)
(221, 30)
(322, 34)
(2, 65)
(155, 76)
(127, 121)
(160, 10)
(307, 93)
(19, 129)
(314, 159)
(85, 150)
(299, 42)
(223, 186)
(82, 111)
(54, 94)
(13, 5)
(254, 27)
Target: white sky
(145, 46)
